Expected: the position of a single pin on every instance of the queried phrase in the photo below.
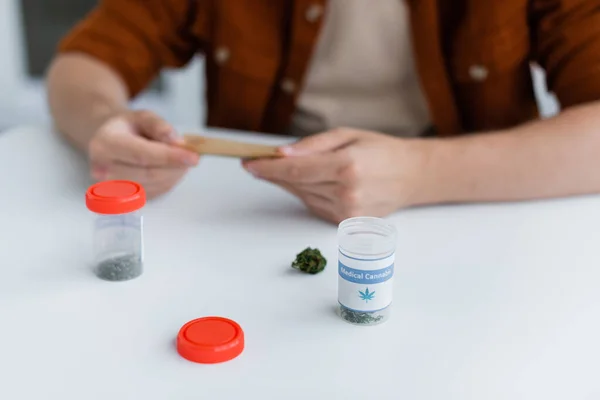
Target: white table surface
(491, 301)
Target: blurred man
(382, 94)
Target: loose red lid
(115, 197)
(210, 340)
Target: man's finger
(309, 169)
(154, 127)
(324, 190)
(145, 176)
(326, 214)
(322, 142)
(139, 151)
(320, 205)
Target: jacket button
(478, 73)
(288, 86)
(313, 13)
(222, 55)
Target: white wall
(23, 101)
(547, 102)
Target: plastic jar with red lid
(118, 240)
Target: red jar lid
(210, 340)
(115, 197)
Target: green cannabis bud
(310, 261)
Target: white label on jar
(363, 284)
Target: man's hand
(139, 146)
(345, 173)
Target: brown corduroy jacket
(473, 56)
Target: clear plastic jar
(118, 245)
(366, 255)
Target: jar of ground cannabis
(118, 232)
(366, 252)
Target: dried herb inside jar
(310, 261)
(121, 268)
(359, 318)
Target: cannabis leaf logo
(366, 295)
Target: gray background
(45, 22)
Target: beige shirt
(362, 74)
